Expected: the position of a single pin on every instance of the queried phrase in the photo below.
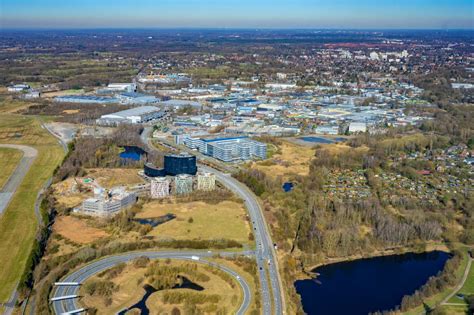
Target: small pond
(154, 222)
(132, 153)
(184, 283)
(287, 187)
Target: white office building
(108, 204)
(160, 187)
(228, 149)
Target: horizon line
(47, 28)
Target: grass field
(18, 224)
(468, 287)
(10, 105)
(9, 159)
(131, 290)
(209, 221)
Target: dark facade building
(153, 171)
(180, 164)
(174, 165)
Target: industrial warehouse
(135, 115)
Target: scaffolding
(206, 181)
(183, 184)
(160, 187)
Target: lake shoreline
(308, 274)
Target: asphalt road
(98, 266)
(265, 250)
(8, 190)
(270, 287)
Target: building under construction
(183, 184)
(160, 187)
(206, 181)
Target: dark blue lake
(132, 153)
(368, 285)
(321, 140)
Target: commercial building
(18, 88)
(206, 181)
(152, 171)
(228, 149)
(125, 87)
(136, 115)
(108, 204)
(177, 164)
(174, 164)
(355, 127)
(160, 187)
(176, 104)
(85, 99)
(183, 184)
(133, 98)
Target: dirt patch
(77, 230)
(71, 111)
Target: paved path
(10, 187)
(460, 284)
(98, 266)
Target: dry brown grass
(62, 93)
(110, 177)
(294, 159)
(71, 111)
(339, 148)
(226, 219)
(77, 230)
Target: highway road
(265, 253)
(8, 190)
(87, 271)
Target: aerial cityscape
(237, 157)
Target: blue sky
(237, 13)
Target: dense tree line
(91, 152)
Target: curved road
(8, 190)
(98, 266)
(270, 284)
